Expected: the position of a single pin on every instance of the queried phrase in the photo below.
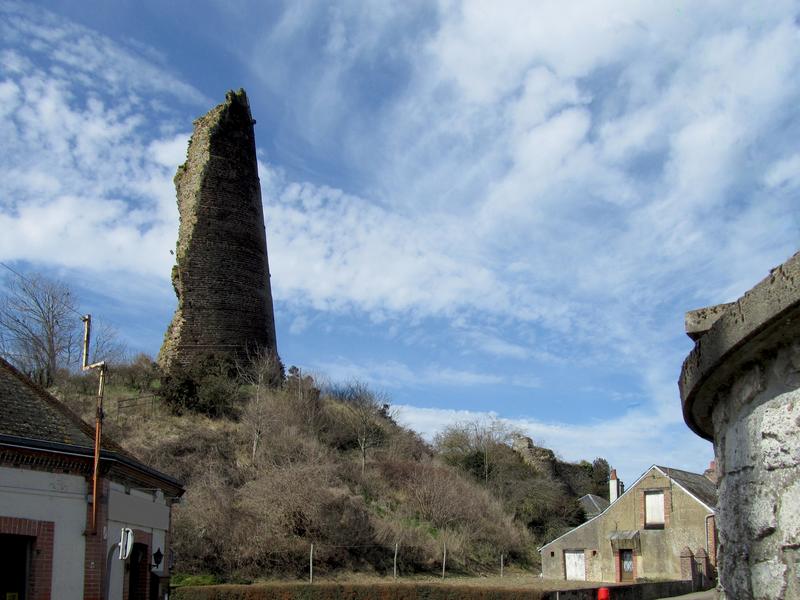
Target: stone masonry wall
(740, 387)
(221, 275)
(758, 449)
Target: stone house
(48, 546)
(661, 527)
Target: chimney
(615, 486)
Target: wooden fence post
(444, 557)
(395, 560)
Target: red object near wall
(603, 594)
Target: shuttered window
(654, 509)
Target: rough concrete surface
(758, 451)
(766, 316)
(221, 275)
(707, 595)
(741, 386)
(699, 321)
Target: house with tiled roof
(59, 538)
(592, 505)
(662, 527)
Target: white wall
(135, 509)
(55, 497)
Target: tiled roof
(30, 412)
(698, 485)
(593, 505)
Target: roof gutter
(108, 456)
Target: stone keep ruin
(740, 388)
(221, 275)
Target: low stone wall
(637, 591)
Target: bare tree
(40, 326)
(304, 393)
(106, 344)
(471, 444)
(367, 413)
(262, 372)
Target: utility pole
(98, 420)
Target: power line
(36, 285)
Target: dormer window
(654, 510)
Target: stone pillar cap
(731, 336)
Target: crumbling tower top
(221, 275)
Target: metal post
(311, 565)
(444, 557)
(395, 560)
(98, 425)
(501, 565)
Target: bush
(207, 387)
(140, 374)
(353, 591)
(181, 580)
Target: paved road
(707, 595)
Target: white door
(575, 562)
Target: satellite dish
(125, 543)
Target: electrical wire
(34, 284)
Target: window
(654, 510)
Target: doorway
(139, 573)
(15, 561)
(575, 565)
(626, 565)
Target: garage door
(575, 562)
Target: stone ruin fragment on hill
(221, 275)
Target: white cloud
(393, 374)
(556, 183)
(86, 181)
(87, 57)
(784, 172)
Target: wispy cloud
(544, 185)
(394, 374)
(89, 148)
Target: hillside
(282, 464)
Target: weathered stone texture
(221, 275)
(741, 386)
(758, 450)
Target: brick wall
(142, 585)
(221, 276)
(41, 575)
(711, 541)
(94, 562)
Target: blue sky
(482, 209)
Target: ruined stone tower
(221, 275)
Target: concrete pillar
(702, 567)
(740, 388)
(688, 569)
